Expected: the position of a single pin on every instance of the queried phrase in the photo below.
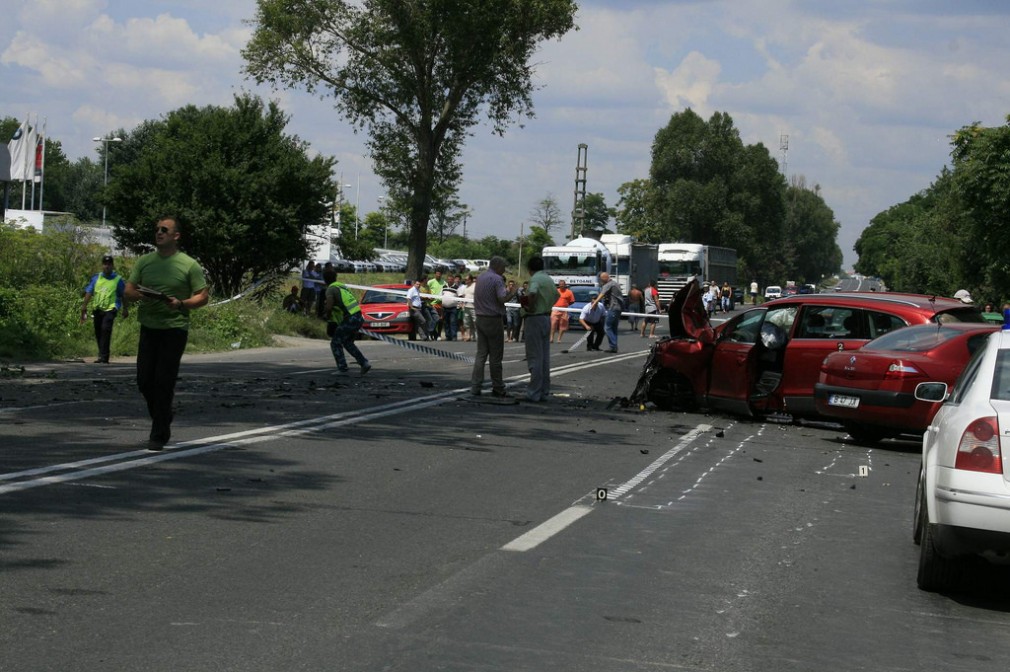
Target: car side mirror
(931, 392)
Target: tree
(982, 183)
(546, 214)
(537, 239)
(710, 188)
(812, 231)
(246, 192)
(416, 75)
(597, 213)
(635, 212)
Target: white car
(962, 505)
(773, 292)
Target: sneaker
(365, 368)
(501, 394)
(613, 350)
(475, 393)
(155, 446)
(343, 369)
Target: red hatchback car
(768, 359)
(385, 311)
(871, 391)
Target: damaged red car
(767, 359)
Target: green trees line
(952, 235)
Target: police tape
(577, 343)
(417, 347)
(462, 300)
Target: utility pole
(579, 206)
(784, 148)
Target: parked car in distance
(962, 505)
(767, 359)
(871, 391)
(583, 295)
(385, 311)
(773, 292)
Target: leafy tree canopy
(416, 74)
(245, 192)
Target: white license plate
(843, 400)
(376, 325)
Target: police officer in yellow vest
(343, 315)
(106, 292)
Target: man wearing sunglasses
(169, 284)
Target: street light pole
(105, 141)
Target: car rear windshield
(966, 314)
(1001, 376)
(914, 339)
(373, 296)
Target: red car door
(820, 331)
(733, 365)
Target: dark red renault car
(767, 359)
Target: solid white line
(547, 529)
(649, 470)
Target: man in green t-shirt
(169, 284)
(538, 301)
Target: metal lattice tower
(784, 148)
(579, 206)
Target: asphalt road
(309, 521)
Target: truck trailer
(681, 262)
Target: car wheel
(671, 391)
(864, 435)
(935, 571)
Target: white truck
(634, 263)
(578, 262)
(680, 262)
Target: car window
(746, 328)
(783, 317)
(918, 338)
(372, 296)
(882, 323)
(1001, 377)
(816, 322)
(966, 378)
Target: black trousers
(595, 336)
(104, 320)
(158, 356)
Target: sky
(866, 92)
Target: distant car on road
(962, 505)
(385, 311)
(773, 292)
(871, 391)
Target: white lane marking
(547, 529)
(685, 441)
(132, 459)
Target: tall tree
(598, 215)
(982, 182)
(415, 73)
(635, 212)
(546, 214)
(245, 192)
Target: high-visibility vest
(351, 306)
(104, 298)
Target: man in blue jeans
(613, 300)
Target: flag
(21, 146)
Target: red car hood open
(688, 318)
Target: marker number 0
(601, 494)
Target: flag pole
(42, 164)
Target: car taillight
(899, 369)
(979, 447)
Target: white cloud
(691, 84)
